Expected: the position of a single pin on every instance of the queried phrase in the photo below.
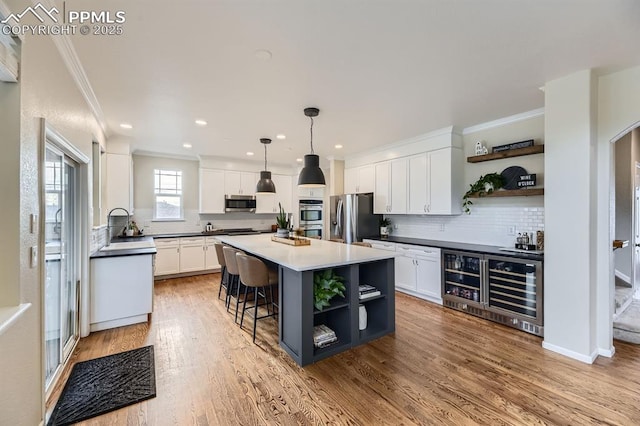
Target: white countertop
(320, 254)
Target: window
(168, 194)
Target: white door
(191, 257)
(210, 254)
(248, 182)
(232, 185)
(283, 196)
(405, 273)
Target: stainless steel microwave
(240, 203)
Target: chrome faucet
(109, 222)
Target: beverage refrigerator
(352, 219)
(502, 289)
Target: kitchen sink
(129, 245)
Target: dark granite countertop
(126, 252)
(449, 245)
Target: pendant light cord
(265, 157)
(311, 135)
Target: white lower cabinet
(210, 255)
(121, 291)
(418, 271)
(167, 256)
(186, 254)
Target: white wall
(569, 302)
(48, 91)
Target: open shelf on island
(335, 303)
(369, 299)
(529, 150)
(528, 192)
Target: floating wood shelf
(529, 150)
(529, 192)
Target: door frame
(48, 134)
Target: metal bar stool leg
(244, 305)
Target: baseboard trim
(623, 277)
(607, 352)
(587, 359)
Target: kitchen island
(297, 315)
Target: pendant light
(311, 175)
(265, 184)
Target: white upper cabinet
(212, 191)
(359, 179)
(119, 182)
(390, 195)
(268, 203)
(435, 182)
(240, 183)
(418, 184)
(445, 181)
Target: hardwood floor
(440, 367)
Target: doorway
(64, 235)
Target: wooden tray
(291, 241)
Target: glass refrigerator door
(515, 287)
(462, 276)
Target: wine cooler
(502, 289)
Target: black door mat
(105, 384)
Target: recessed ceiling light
(201, 122)
(299, 160)
(263, 55)
(126, 126)
(249, 153)
(338, 146)
(281, 136)
(186, 145)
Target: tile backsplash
(485, 225)
(195, 222)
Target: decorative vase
(362, 317)
(384, 231)
(129, 232)
(282, 233)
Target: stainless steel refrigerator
(352, 217)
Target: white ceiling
(380, 71)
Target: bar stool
(361, 243)
(255, 274)
(224, 277)
(234, 276)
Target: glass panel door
(61, 275)
(514, 287)
(462, 276)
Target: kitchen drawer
(380, 245)
(192, 241)
(210, 240)
(410, 250)
(166, 242)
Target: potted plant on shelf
(282, 221)
(485, 185)
(385, 227)
(326, 285)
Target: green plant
(485, 185)
(281, 219)
(385, 221)
(326, 285)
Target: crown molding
(504, 121)
(70, 57)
